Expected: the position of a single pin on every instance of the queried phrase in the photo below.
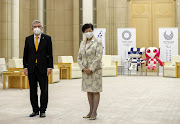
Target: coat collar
(38, 36)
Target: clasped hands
(87, 71)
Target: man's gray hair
(36, 21)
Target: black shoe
(42, 115)
(34, 114)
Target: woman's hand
(87, 71)
(84, 70)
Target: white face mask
(37, 31)
(89, 35)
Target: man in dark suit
(38, 64)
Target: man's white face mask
(89, 35)
(37, 31)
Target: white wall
(87, 11)
(41, 11)
(15, 28)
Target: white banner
(101, 33)
(168, 43)
(126, 38)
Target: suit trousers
(34, 78)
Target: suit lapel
(92, 41)
(41, 40)
(32, 42)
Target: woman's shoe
(86, 116)
(92, 118)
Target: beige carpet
(124, 100)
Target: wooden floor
(124, 100)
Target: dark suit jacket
(43, 54)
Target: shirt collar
(38, 36)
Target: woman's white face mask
(89, 35)
(37, 31)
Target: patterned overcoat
(91, 59)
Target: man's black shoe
(34, 114)
(42, 115)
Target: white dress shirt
(38, 38)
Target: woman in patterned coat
(89, 60)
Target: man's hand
(49, 71)
(26, 72)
